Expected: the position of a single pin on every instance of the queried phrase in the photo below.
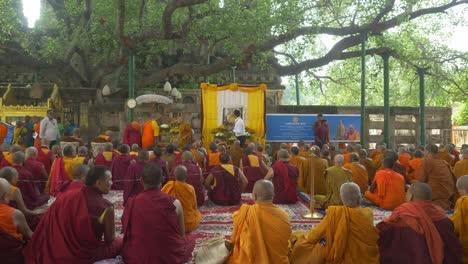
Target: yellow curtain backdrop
(255, 109)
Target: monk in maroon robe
(79, 177)
(419, 232)
(31, 195)
(161, 163)
(153, 224)
(105, 158)
(194, 176)
(253, 167)
(132, 184)
(226, 182)
(73, 228)
(119, 167)
(132, 134)
(284, 177)
(45, 155)
(36, 168)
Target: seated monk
(62, 170)
(169, 156)
(16, 199)
(347, 153)
(397, 167)
(153, 224)
(305, 151)
(298, 161)
(261, 231)
(79, 176)
(132, 185)
(161, 163)
(275, 154)
(346, 234)
(377, 155)
(317, 167)
(119, 167)
(404, 158)
(284, 177)
(194, 176)
(14, 230)
(134, 151)
(199, 156)
(438, 174)
(8, 158)
(185, 193)
(36, 168)
(388, 188)
(359, 172)
(461, 167)
(236, 153)
(73, 228)
(106, 157)
(225, 183)
(253, 167)
(368, 164)
(82, 155)
(29, 189)
(444, 154)
(107, 136)
(213, 157)
(414, 165)
(460, 216)
(335, 177)
(45, 155)
(418, 232)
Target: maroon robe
(132, 184)
(69, 232)
(253, 174)
(285, 182)
(35, 167)
(44, 155)
(399, 243)
(29, 190)
(11, 249)
(227, 188)
(163, 165)
(4, 163)
(131, 136)
(194, 178)
(69, 186)
(118, 168)
(100, 160)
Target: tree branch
(171, 7)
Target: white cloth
(232, 100)
(239, 128)
(49, 129)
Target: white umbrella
(153, 98)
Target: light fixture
(179, 95)
(106, 90)
(174, 92)
(167, 87)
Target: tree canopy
(87, 43)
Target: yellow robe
(460, 222)
(318, 167)
(461, 168)
(260, 235)
(350, 238)
(335, 177)
(185, 134)
(299, 161)
(186, 195)
(360, 176)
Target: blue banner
(293, 128)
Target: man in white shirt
(49, 129)
(239, 128)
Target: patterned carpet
(218, 219)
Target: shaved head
(4, 190)
(263, 191)
(15, 148)
(180, 172)
(350, 194)
(283, 155)
(187, 155)
(283, 146)
(462, 185)
(339, 160)
(420, 191)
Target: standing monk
(132, 185)
(153, 224)
(73, 228)
(194, 176)
(185, 193)
(132, 134)
(460, 216)
(388, 188)
(261, 231)
(368, 164)
(418, 232)
(284, 177)
(438, 174)
(359, 172)
(119, 167)
(150, 134)
(225, 183)
(253, 168)
(461, 167)
(319, 133)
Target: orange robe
(199, 158)
(236, 156)
(213, 160)
(360, 176)
(335, 177)
(37, 129)
(304, 154)
(346, 157)
(444, 155)
(149, 132)
(6, 221)
(350, 234)
(185, 134)
(369, 165)
(260, 235)
(185, 193)
(461, 168)
(3, 133)
(298, 162)
(460, 222)
(377, 159)
(404, 160)
(390, 192)
(414, 164)
(317, 167)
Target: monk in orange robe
(346, 234)
(150, 134)
(414, 165)
(388, 189)
(213, 157)
(349, 150)
(439, 175)
(444, 154)
(199, 157)
(461, 167)
(418, 232)
(368, 164)
(14, 229)
(185, 134)
(317, 167)
(460, 216)
(3, 132)
(304, 151)
(185, 193)
(261, 231)
(236, 153)
(377, 156)
(335, 177)
(404, 158)
(359, 172)
(253, 168)
(296, 160)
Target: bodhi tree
(87, 43)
